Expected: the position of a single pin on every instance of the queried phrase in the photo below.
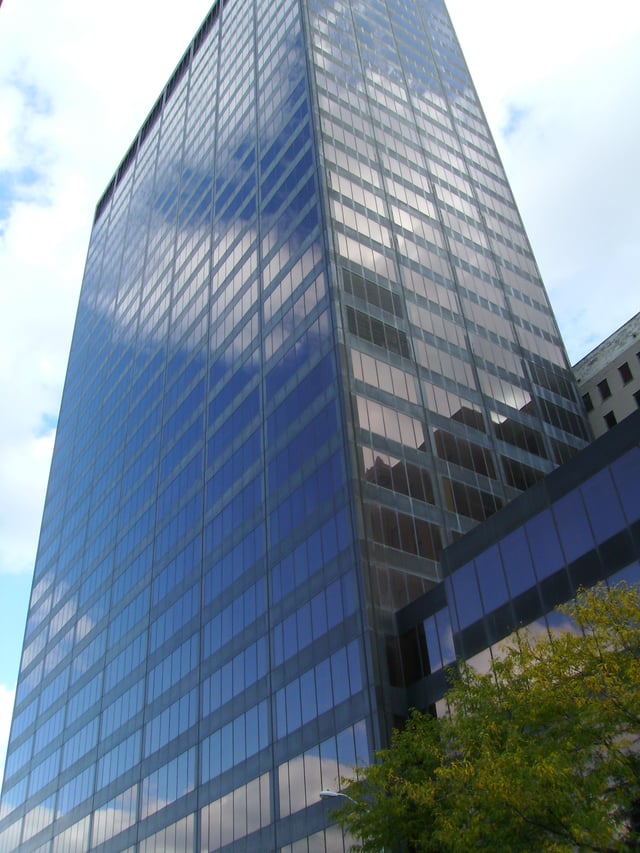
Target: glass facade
(578, 528)
(460, 388)
(312, 348)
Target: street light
(328, 795)
(332, 795)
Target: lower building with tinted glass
(578, 527)
(312, 349)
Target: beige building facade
(609, 377)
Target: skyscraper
(312, 347)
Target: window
(625, 373)
(588, 403)
(610, 420)
(636, 397)
(605, 391)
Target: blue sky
(559, 81)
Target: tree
(542, 754)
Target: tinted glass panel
(603, 506)
(544, 544)
(573, 526)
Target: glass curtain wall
(312, 348)
(193, 670)
(461, 393)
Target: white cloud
(578, 187)
(570, 75)
(7, 697)
(9, 120)
(40, 263)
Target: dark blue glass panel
(294, 710)
(466, 595)
(340, 676)
(285, 160)
(626, 475)
(295, 121)
(319, 378)
(517, 562)
(603, 506)
(544, 545)
(493, 586)
(572, 524)
(433, 646)
(629, 575)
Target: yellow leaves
(539, 754)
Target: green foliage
(542, 754)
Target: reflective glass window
(603, 506)
(544, 544)
(466, 595)
(572, 524)
(491, 579)
(517, 562)
(626, 476)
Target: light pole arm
(328, 795)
